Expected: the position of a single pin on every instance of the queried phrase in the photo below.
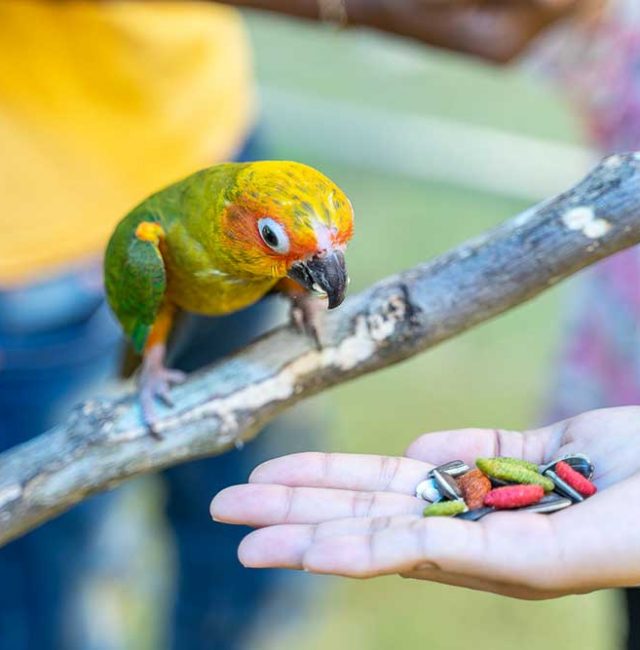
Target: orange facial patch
(313, 212)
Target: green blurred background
(432, 149)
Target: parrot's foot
(155, 382)
(307, 315)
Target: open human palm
(356, 515)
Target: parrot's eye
(273, 235)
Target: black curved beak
(325, 273)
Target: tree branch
(103, 443)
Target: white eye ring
(273, 235)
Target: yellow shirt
(102, 103)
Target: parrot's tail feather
(139, 337)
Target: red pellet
(514, 496)
(578, 482)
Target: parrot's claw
(155, 383)
(307, 316)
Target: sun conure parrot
(218, 241)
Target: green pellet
(518, 462)
(505, 469)
(445, 509)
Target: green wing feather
(135, 281)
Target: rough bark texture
(103, 443)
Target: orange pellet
(474, 486)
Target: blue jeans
(59, 343)
(55, 338)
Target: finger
(343, 471)
(519, 554)
(470, 444)
(514, 548)
(266, 505)
(278, 547)
(284, 546)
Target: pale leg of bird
(155, 381)
(307, 314)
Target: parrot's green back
(135, 271)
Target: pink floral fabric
(598, 65)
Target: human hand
(355, 515)
(495, 30)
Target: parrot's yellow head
(285, 219)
